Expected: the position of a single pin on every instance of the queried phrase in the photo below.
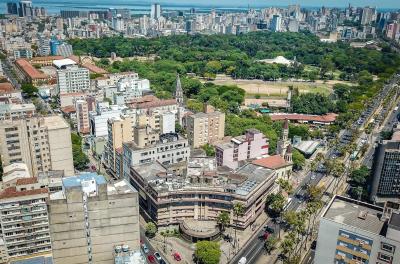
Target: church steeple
(178, 90)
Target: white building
(130, 88)
(155, 12)
(98, 119)
(70, 77)
(167, 123)
(351, 231)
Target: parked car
(145, 248)
(161, 261)
(158, 256)
(151, 258)
(269, 229)
(176, 256)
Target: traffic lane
(144, 239)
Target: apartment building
(99, 118)
(10, 110)
(70, 77)
(168, 149)
(385, 189)
(351, 231)
(43, 144)
(251, 145)
(119, 132)
(130, 88)
(202, 193)
(24, 219)
(207, 127)
(89, 217)
(82, 116)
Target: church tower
(284, 142)
(178, 91)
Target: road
(253, 249)
(152, 250)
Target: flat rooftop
(64, 62)
(202, 175)
(55, 122)
(357, 214)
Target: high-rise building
(82, 116)
(368, 15)
(43, 144)
(89, 217)
(118, 23)
(70, 77)
(44, 46)
(205, 127)
(385, 187)
(276, 23)
(155, 12)
(119, 132)
(12, 8)
(351, 231)
(239, 149)
(24, 219)
(25, 8)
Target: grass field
(275, 89)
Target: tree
(29, 89)
(209, 149)
(207, 252)
(298, 159)
(314, 192)
(238, 210)
(285, 185)
(270, 244)
(80, 159)
(151, 229)
(223, 220)
(360, 176)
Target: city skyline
(384, 4)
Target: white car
(243, 260)
(145, 249)
(158, 256)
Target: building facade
(385, 187)
(89, 217)
(351, 231)
(72, 79)
(24, 219)
(43, 144)
(204, 128)
(249, 146)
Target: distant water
(136, 7)
(140, 6)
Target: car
(161, 261)
(145, 248)
(313, 177)
(151, 258)
(264, 236)
(176, 256)
(243, 260)
(158, 256)
(269, 229)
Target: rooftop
(12, 192)
(202, 175)
(354, 213)
(307, 146)
(63, 62)
(76, 181)
(271, 162)
(55, 122)
(30, 70)
(6, 87)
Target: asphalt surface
(152, 250)
(255, 247)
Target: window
(387, 247)
(385, 258)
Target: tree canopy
(207, 252)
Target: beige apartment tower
(89, 217)
(207, 127)
(43, 144)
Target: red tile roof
(6, 87)
(30, 70)
(68, 109)
(93, 68)
(272, 162)
(45, 58)
(25, 181)
(12, 192)
(328, 118)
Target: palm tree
(223, 220)
(238, 210)
(338, 170)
